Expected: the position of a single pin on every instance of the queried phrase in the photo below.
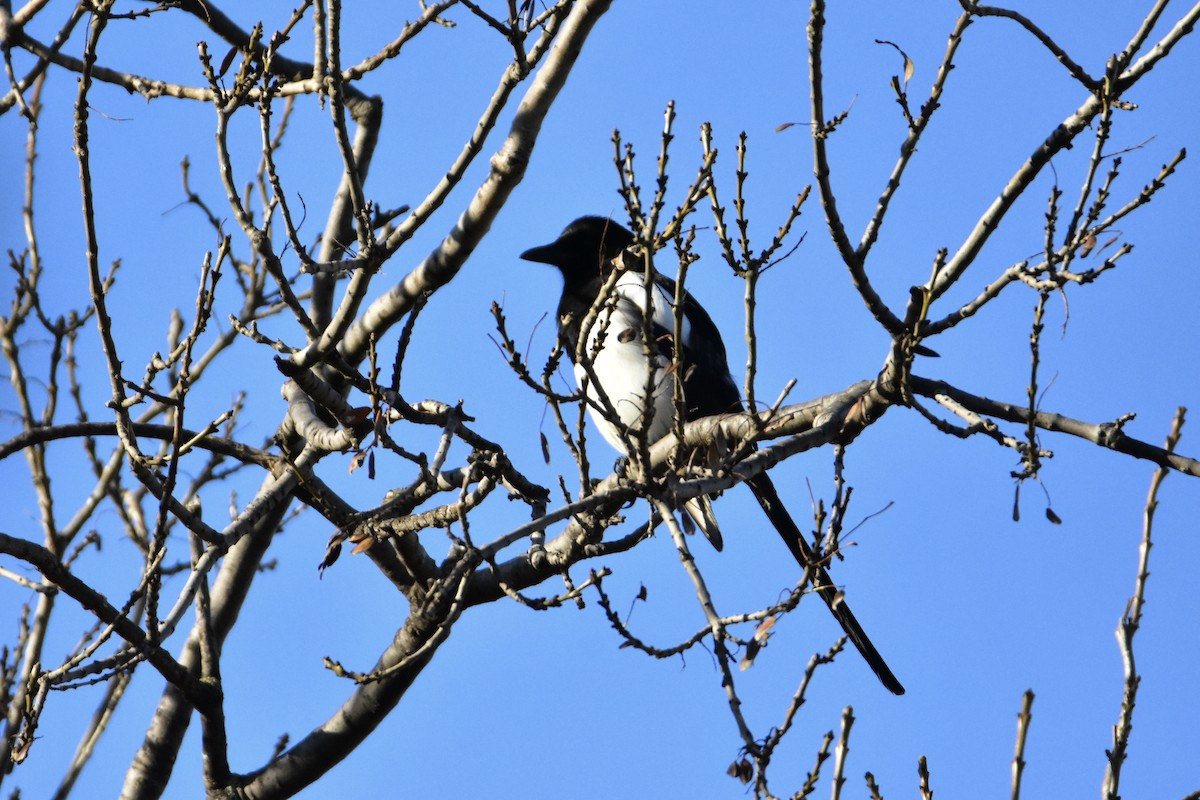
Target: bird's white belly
(624, 368)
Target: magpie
(615, 356)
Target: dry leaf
(752, 648)
(742, 770)
(331, 556)
(226, 62)
(763, 632)
(1089, 244)
(908, 63)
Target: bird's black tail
(768, 498)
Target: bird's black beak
(546, 254)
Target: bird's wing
(708, 386)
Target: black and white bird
(616, 356)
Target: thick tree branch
(53, 571)
(507, 169)
(1105, 434)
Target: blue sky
(970, 608)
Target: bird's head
(584, 250)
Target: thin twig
(1131, 621)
